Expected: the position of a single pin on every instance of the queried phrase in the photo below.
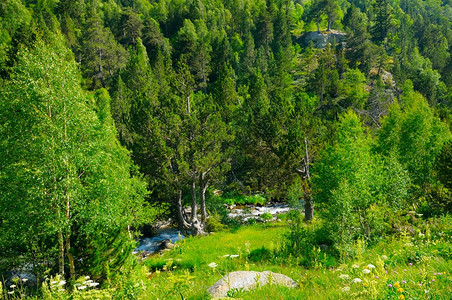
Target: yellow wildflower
(365, 284)
(396, 285)
(401, 297)
(399, 290)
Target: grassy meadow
(410, 264)
(402, 266)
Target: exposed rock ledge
(246, 280)
(322, 39)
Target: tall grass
(401, 266)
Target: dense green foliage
(111, 107)
(66, 183)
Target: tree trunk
(129, 231)
(329, 25)
(194, 206)
(306, 176)
(308, 207)
(35, 268)
(70, 258)
(203, 185)
(196, 227)
(309, 204)
(61, 252)
(318, 25)
(180, 218)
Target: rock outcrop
(246, 280)
(322, 39)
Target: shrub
(213, 223)
(308, 244)
(260, 254)
(266, 216)
(443, 165)
(235, 198)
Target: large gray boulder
(246, 280)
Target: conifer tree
(101, 56)
(380, 29)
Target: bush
(213, 223)
(308, 245)
(260, 254)
(234, 198)
(266, 216)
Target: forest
(121, 117)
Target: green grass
(184, 273)
(401, 266)
(197, 252)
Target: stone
(169, 245)
(166, 244)
(324, 247)
(246, 280)
(322, 39)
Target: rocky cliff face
(322, 39)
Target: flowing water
(254, 212)
(153, 244)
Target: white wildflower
(12, 286)
(53, 282)
(213, 265)
(371, 266)
(82, 287)
(24, 279)
(86, 277)
(12, 292)
(62, 282)
(355, 266)
(344, 276)
(345, 289)
(234, 255)
(384, 257)
(366, 271)
(356, 280)
(94, 284)
(227, 255)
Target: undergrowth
(414, 263)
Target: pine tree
(382, 25)
(101, 56)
